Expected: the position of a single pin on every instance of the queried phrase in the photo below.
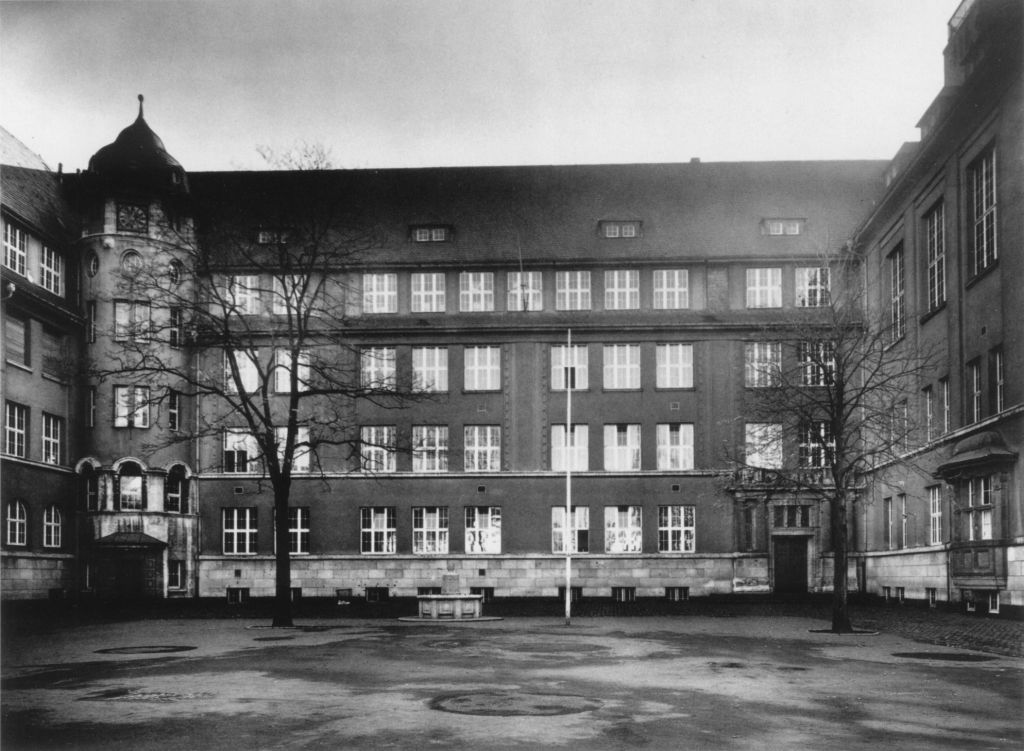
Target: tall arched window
(176, 490)
(17, 523)
(130, 490)
(51, 527)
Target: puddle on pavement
(149, 649)
(948, 656)
(131, 695)
(514, 704)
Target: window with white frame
(430, 233)
(981, 206)
(92, 489)
(677, 529)
(429, 529)
(997, 374)
(482, 368)
(90, 408)
(377, 448)
(944, 385)
(429, 448)
(974, 391)
(675, 366)
(241, 371)
(482, 448)
(764, 288)
(176, 490)
(430, 369)
(620, 230)
(791, 515)
(574, 358)
(621, 366)
(578, 533)
(131, 406)
(17, 347)
(929, 412)
(298, 530)
(622, 446)
(15, 429)
(574, 455)
(241, 451)
(888, 536)
(428, 293)
(935, 253)
(762, 364)
(812, 286)
(897, 295)
(979, 507)
(483, 529)
(17, 523)
(52, 527)
(671, 289)
(239, 531)
(816, 446)
(15, 248)
(293, 294)
(525, 291)
(675, 445)
(285, 361)
(51, 271)
(377, 529)
(763, 445)
(817, 363)
(621, 289)
(623, 529)
(300, 451)
(130, 487)
(175, 574)
(476, 291)
(380, 293)
(241, 295)
(572, 290)
(53, 439)
(132, 320)
(902, 498)
(173, 409)
(175, 327)
(778, 227)
(377, 367)
(935, 514)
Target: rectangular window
(621, 290)
(51, 271)
(579, 533)
(298, 531)
(979, 508)
(671, 289)
(762, 364)
(572, 290)
(377, 448)
(944, 385)
(622, 447)
(764, 288)
(476, 291)
(430, 369)
(763, 445)
(981, 184)
(300, 450)
(15, 248)
(54, 355)
(676, 529)
(675, 366)
(779, 227)
(377, 529)
(380, 293)
(623, 529)
(791, 515)
(241, 371)
(131, 320)
(482, 448)
(929, 413)
(482, 370)
(622, 366)
(284, 363)
(935, 514)
(174, 327)
(817, 447)
(429, 529)
(576, 455)
(429, 448)
(525, 291)
(377, 368)
(574, 360)
(974, 413)
(129, 496)
(90, 416)
(16, 340)
(997, 375)
(428, 293)
(90, 321)
(935, 253)
(430, 234)
(131, 406)
(53, 439)
(675, 445)
(902, 498)
(241, 451)
(617, 230)
(15, 429)
(897, 295)
(818, 363)
(483, 529)
(812, 287)
(241, 295)
(296, 295)
(239, 526)
(176, 574)
(887, 528)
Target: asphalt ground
(718, 679)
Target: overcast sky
(399, 83)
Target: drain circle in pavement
(155, 649)
(951, 656)
(514, 704)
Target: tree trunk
(283, 562)
(840, 607)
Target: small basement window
(575, 594)
(377, 594)
(487, 592)
(421, 591)
(238, 595)
(624, 594)
(677, 594)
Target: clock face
(132, 217)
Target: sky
(403, 83)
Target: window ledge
(19, 365)
(982, 274)
(931, 313)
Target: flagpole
(570, 381)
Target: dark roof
(977, 451)
(34, 197)
(697, 210)
(130, 540)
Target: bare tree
(829, 400)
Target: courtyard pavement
(660, 682)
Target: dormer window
(432, 233)
(272, 236)
(619, 230)
(782, 226)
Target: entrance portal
(790, 563)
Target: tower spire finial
(140, 106)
